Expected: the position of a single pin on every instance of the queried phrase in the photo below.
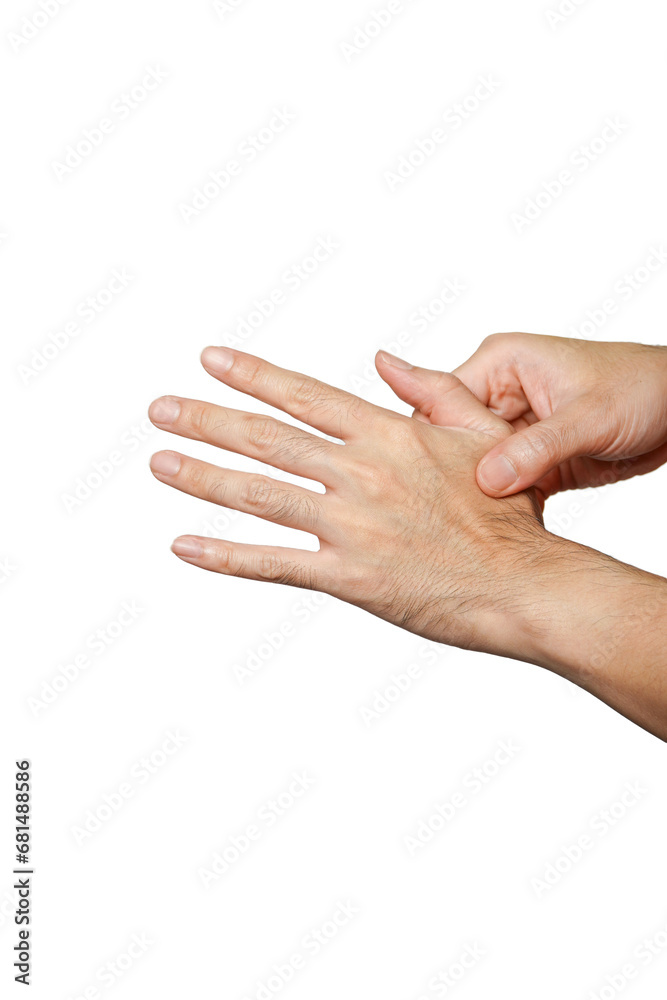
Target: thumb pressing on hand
(527, 456)
(439, 398)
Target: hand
(404, 531)
(585, 413)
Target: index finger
(330, 410)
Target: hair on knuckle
(262, 432)
(255, 492)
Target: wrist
(601, 624)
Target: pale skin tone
(585, 413)
(406, 533)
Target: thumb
(527, 456)
(439, 396)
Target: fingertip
(165, 464)
(164, 410)
(217, 360)
(385, 358)
(497, 476)
(187, 547)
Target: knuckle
(256, 492)
(374, 480)
(543, 444)
(306, 391)
(199, 418)
(197, 476)
(406, 435)
(252, 370)
(503, 340)
(262, 432)
(225, 561)
(446, 382)
(271, 567)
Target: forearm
(603, 625)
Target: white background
(69, 571)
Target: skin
(406, 534)
(586, 413)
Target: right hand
(585, 413)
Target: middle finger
(269, 440)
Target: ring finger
(250, 493)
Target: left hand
(404, 530)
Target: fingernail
(498, 473)
(217, 359)
(166, 463)
(165, 410)
(188, 547)
(391, 359)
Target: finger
(271, 441)
(475, 374)
(580, 473)
(331, 410)
(262, 496)
(491, 373)
(627, 468)
(439, 396)
(293, 567)
(527, 456)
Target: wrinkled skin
(586, 413)
(404, 530)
